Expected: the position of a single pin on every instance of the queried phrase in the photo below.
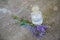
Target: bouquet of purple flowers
(37, 30)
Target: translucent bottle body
(37, 18)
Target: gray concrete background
(22, 8)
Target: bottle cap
(35, 8)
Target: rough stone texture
(22, 8)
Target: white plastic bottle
(36, 16)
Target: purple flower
(41, 29)
(38, 30)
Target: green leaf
(23, 22)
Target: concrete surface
(22, 8)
